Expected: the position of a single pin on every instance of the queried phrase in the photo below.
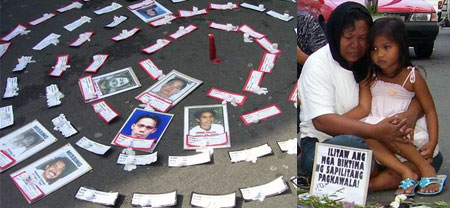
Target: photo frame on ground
(142, 130)
(170, 90)
(149, 12)
(115, 82)
(23, 143)
(206, 126)
(50, 173)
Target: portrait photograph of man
(143, 124)
(168, 91)
(206, 125)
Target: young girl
(388, 90)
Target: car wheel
(424, 50)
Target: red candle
(212, 49)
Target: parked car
(420, 19)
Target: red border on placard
(179, 15)
(39, 18)
(210, 6)
(189, 145)
(160, 19)
(96, 70)
(248, 79)
(117, 136)
(246, 123)
(158, 48)
(139, 29)
(262, 61)
(292, 93)
(9, 157)
(264, 35)
(143, 68)
(18, 25)
(68, 5)
(160, 110)
(62, 72)
(91, 32)
(101, 116)
(81, 89)
(258, 41)
(195, 28)
(24, 194)
(228, 92)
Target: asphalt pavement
(189, 55)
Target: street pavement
(189, 55)
(437, 76)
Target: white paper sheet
(63, 125)
(180, 161)
(50, 39)
(116, 21)
(12, 87)
(99, 197)
(250, 154)
(216, 201)
(53, 95)
(77, 23)
(110, 8)
(23, 62)
(92, 146)
(155, 200)
(6, 116)
(275, 187)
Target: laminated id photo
(115, 82)
(50, 173)
(170, 90)
(206, 126)
(149, 12)
(142, 130)
(23, 143)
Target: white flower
(395, 204)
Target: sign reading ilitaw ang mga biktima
(341, 173)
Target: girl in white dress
(389, 90)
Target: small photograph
(168, 91)
(143, 125)
(206, 126)
(50, 173)
(151, 12)
(23, 143)
(115, 82)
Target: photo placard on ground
(50, 173)
(114, 83)
(170, 90)
(23, 143)
(150, 11)
(142, 130)
(341, 173)
(206, 126)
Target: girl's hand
(427, 151)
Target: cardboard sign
(341, 173)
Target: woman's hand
(392, 129)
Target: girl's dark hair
(394, 29)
